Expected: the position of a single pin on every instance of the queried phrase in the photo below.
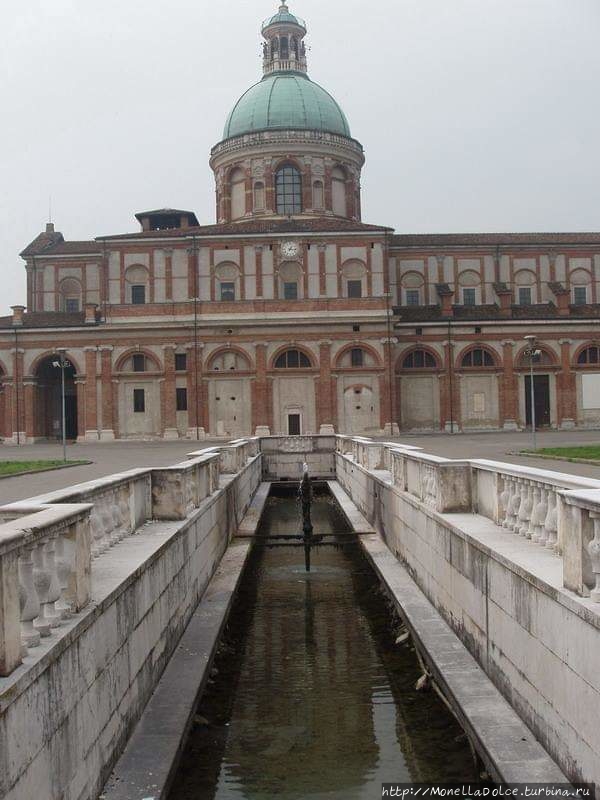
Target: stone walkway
(106, 458)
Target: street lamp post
(532, 352)
(62, 364)
(196, 398)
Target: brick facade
(270, 320)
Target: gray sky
(475, 115)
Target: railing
(50, 543)
(45, 570)
(555, 511)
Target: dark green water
(313, 699)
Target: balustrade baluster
(116, 534)
(28, 599)
(542, 512)
(517, 499)
(97, 532)
(107, 523)
(125, 512)
(48, 609)
(41, 580)
(593, 549)
(523, 528)
(64, 567)
(551, 521)
(535, 524)
(503, 503)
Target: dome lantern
(284, 49)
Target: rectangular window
(139, 362)
(579, 295)
(181, 362)
(356, 357)
(354, 288)
(138, 295)
(524, 295)
(412, 297)
(72, 305)
(139, 401)
(181, 399)
(469, 298)
(227, 290)
(290, 290)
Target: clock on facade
(290, 249)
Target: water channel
(311, 697)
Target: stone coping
(25, 527)
(249, 525)
(355, 519)
(560, 479)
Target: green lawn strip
(10, 468)
(590, 452)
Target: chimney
(17, 314)
(505, 296)
(563, 297)
(90, 313)
(445, 293)
(49, 227)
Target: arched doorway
(48, 407)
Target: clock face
(290, 249)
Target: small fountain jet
(305, 497)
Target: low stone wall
(283, 456)
(499, 588)
(68, 709)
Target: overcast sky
(475, 115)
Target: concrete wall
(538, 642)
(65, 717)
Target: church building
(292, 315)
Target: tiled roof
(46, 319)
(491, 312)
(492, 239)
(487, 310)
(42, 243)
(55, 245)
(534, 311)
(316, 225)
(588, 310)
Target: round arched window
(477, 358)
(419, 359)
(291, 359)
(591, 355)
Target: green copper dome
(284, 17)
(286, 100)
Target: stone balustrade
(49, 543)
(121, 503)
(549, 508)
(556, 511)
(45, 567)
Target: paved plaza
(110, 457)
